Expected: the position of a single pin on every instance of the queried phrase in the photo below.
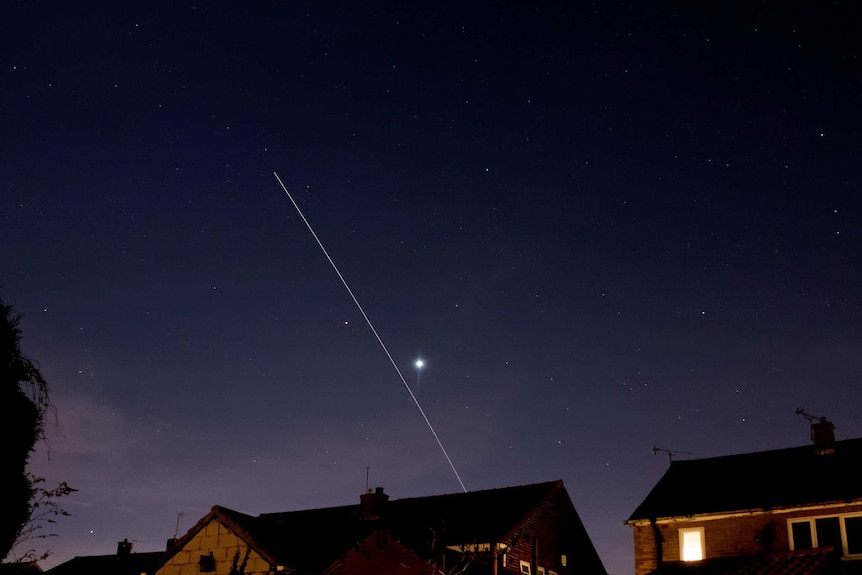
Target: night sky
(603, 227)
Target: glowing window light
(691, 544)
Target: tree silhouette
(43, 507)
(24, 403)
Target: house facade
(524, 530)
(784, 508)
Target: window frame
(525, 567)
(702, 535)
(812, 528)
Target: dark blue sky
(604, 227)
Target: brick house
(525, 530)
(796, 510)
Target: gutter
(742, 513)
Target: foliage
(236, 567)
(25, 506)
(43, 510)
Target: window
(206, 564)
(540, 571)
(525, 568)
(563, 560)
(828, 532)
(800, 536)
(691, 545)
(853, 532)
(843, 532)
(470, 548)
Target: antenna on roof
(670, 452)
(808, 416)
(822, 433)
(177, 530)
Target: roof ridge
(759, 480)
(549, 484)
(489, 490)
(809, 446)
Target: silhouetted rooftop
(20, 568)
(782, 478)
(132, 564)
(310, 540)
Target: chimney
(172, 542)
(823, 436)
(124, 549)
(371, 504)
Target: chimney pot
(124, 549)
(823, 436)
(371, 504)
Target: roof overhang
(741, 513)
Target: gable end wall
(223, 544)
(552, 530)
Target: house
(124, 562)
(21, 568)
(527, 530)
(796, 510)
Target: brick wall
(744, 535)
(551, 532)
(646, 556)
(217, 539)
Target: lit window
(563, 560)
(525, 568)
(691, 544)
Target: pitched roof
(781, 478)
(20, 568)
(133, 564)
(310, 540)
(381, 553)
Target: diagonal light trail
(374, 331)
